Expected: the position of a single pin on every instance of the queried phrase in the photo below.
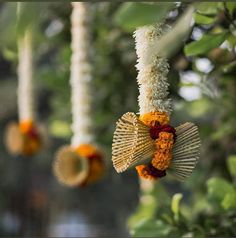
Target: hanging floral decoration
(80, 163)
(148, 142)
(24, 138)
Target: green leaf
(201, 19)
(231, 162)
(27, 15)
(218, 188)
(208, 8)
(175, 204)
(169, 43)
(151, 228)
(205, 44)
(132, 15)
(231, 6)
(10, 54)
(8, 25)
(229, 201)
(60, 129)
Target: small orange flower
(165, 142)
(86, 150)
(26, 126)
(149, 172)
(154, 118)
(144, 172)
(31, 138)
(161, 161)
(96, 170)
(163, 155)
(96, 163)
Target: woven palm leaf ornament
(24, 138)
(80, 163)
(148, 142)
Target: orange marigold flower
(86, 150)
(165, 142)
(31, 145)
(149, 172)
(167, 136)
(96, 163)
(154, 118)
(96, 170)
(144, 173)
(161, 161)
(31, 137)
(26, 126)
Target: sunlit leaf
(201, 19)
(205, 44)
(8, 24)
(169, 43)
(28, 14)
(151, 229)
(229, 201)
(231, 6)
(231, 162)
(218, 188)
(132, 15)
(60, 129)
(175, 204)
(9, 54)
(208, 8)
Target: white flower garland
(81, 74)
(152, 71)
(25, 77)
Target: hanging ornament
(24, 138)
(80, 163)
(148, 142)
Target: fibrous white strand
(25, 74)
(81, 74)
(152, 71)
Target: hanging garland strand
(23, 138)
(25, 78)
(81, 74)
(152, 72)
(81, 163)
(149, 142)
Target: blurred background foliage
(200, 46)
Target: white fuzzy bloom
(25, 74)
(152, 71)
(81, 74)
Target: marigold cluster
(152, 119)
(149, 172)
(95, 160)
(164, 136)
(31, 138)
